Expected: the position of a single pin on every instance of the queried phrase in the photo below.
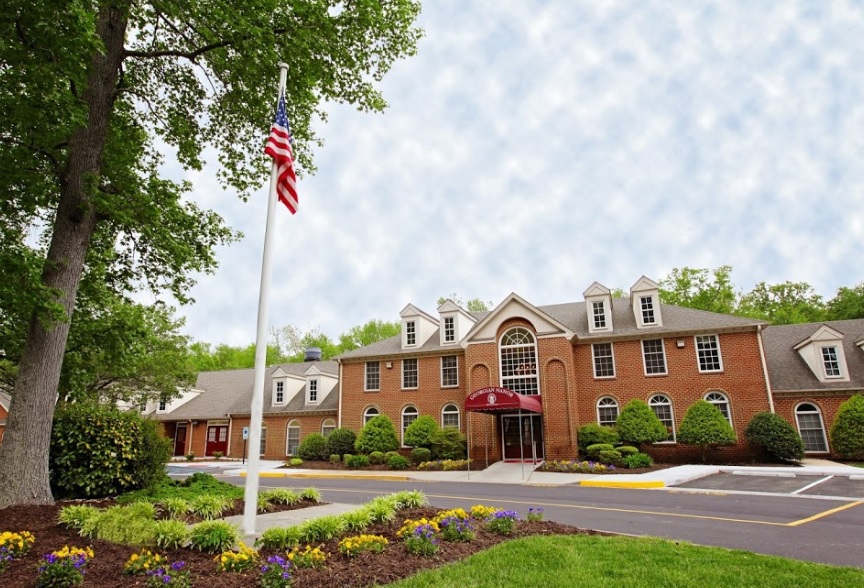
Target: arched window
(607, 411)
(263, 446)
(662, 407)
(518, 361)
(450, 416)
(369, 414)
(409, 415)
(327, 426)
(812, 429)
(292, 437)
(719, 400)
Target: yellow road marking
(824, 514)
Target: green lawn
(625, 562)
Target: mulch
(105, 570)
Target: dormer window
(280, 392)
(599, 311)
(410, 333)
(830, 362)
(312, 391)
(646, 303)
(449, 329)
(162, 405)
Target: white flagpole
(251, 494)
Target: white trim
(458, 413)
(818, 413)
(727, 401)
(597, 409)
(366, 376)
(402, 425)
(417, 363)
(671, 405)
(665, 371)
(443, 385)
(289, 426)
(719, 354)
(594, 362)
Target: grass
(194, 485)
(625, 562)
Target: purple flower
(178, 565)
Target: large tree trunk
(25, 447)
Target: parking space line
(824, 514)
(808, 486)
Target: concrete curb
(300, 475)
(642, 484)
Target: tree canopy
(86, 89)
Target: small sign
(245, 433)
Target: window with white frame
(312, 391)
(607, 411)
(662, 407)
(292, 437)
(373, 376)
(599, 314)
(449, 329)
(518, 362)
(830, 362)
(654, 357)
(369, 414)
(263, 446)
(162, 405)
(409, 415)
(327, 427)
(708, 352)
(719, 400)
(450, 416)
(812, 429)
(410, 333)
(280, 392)
(604, 362)
(646, 303)
(409, 373)
(449, 371)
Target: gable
(516, 307)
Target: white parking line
(808, 486)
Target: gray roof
(230, 392)
(787, 370)
(572, 315)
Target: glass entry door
(529, 423)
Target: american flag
(279, 148)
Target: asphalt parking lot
(782, 482)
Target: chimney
(313, 354)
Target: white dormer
(417, 327)
(455, 323)
(318, 385)
(284, 387)
(645, 299)
(598, 305)
(167, 406)
(823, 353)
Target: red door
(217, 439)
(531, 437)
(180, 441)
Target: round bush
(609, 456)
(376, 457)
(705, 426)
(335, 458)
(420, 432)
(449, 444)
(340, 442)
(357, 461)
(637, 460)
(347, 457)
(592, 451)
(390, 454)
(420, 454)
(591, 434)
(295, 462)
(377, 435)
(777, 437)
(397, 462)
(847, 432)
(637, 424)
(626, 450)
(313, 447)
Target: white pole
(251, 494)
(468, 448)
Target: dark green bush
(591, 434)
(637, 460)
(313, 448)
(340, 442)
(390, 454)
(592, 451)
(377, 435)
(420, 432)
(100, 451)
(397, 462)
(357, 461)
(704, 425)
(637, 424)
(609, 456)
(775, 436)
(847, 432)
(376, 457)
(420, 454)
(626, 450)
(448, 444)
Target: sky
(539, 146)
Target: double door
(522, 436)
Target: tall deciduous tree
(85, 86)
(700, 288)
(847, 304)
(370, 332)
(783, 304)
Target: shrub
(609, 456)
(210, 506)
(357, 520)
(704, 425)
(626, 450)
(282, 496)
(409, 499)
(214, 536)
(335, 458)
(637, 460)
(310, 494)
(279, 537)
(397, 462)
(263, 503)
(389, 454)
(777, 438)
(381, 511)
(347, 457)
(637, 424)
(591, 434)
(420, 454)
(295, 462)
(847, 432)
(129, 450)
(217, 455)
(340, 442)
(575, 467)
(176, 507)
(419, 433)
(376, 457)
(594, 450)
(313, 447)
(171, 534)
(448, 444)
(377, 435)
(74, 516)
(129, 525)
(357, 461)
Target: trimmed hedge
(777, 438)
(377, 435)
(420, 454)
(313, 448)
(847, 432)
(340, 442)
(704, 425)
(591, 434)
(637, 424)
(419, 433)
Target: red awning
(500, 399)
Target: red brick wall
(828, 404)
(277, 430)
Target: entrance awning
(497, 399)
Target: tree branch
(196, 53)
